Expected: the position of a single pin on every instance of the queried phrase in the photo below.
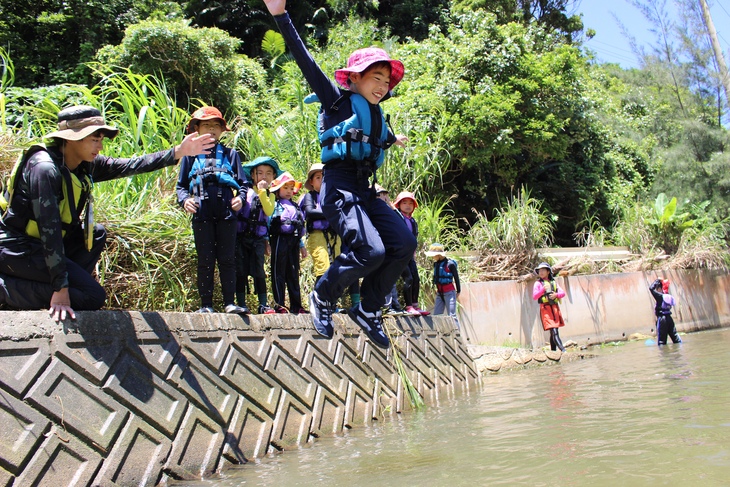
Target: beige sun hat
(316, 167)
(435, 249)
(77, 122)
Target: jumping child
(354, 135)
(405, 204)
(252, 240)
(446, 280)
(286, 228)
(663, 311)
(209, 188)
(548, 294)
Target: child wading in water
(209, 188)
(663, 310)
(354, 135)
(286, 227)
(548, 294)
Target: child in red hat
(211, 188)
(663, 310)
(405, 204)
(354, 135)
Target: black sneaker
(371, 323)
(321, 312)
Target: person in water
(548, 294)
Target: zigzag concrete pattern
(125, 398)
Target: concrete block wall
(596, 308)
(125, 398)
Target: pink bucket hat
(285, 177)
(362, 58)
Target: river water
(636, 415)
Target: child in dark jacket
(252, 240)
(286, 229)
(663, 310)
(354, 136)
(210, 188)
(405, 204)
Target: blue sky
(610, 45)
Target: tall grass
(508, 243)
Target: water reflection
(636, 415)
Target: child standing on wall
(286, 228)
(663, 310)
(323, 244)
(405, 204)
(446, 280)
(209, 188)
(252, 240)
(548, 294)
(354, 135)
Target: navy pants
(215, 241)
(665, 327)
(28, 283)
(378, 245)
(411, 283)
(285, 270)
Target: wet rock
(539, 356)
(553, 354)
(489, 362)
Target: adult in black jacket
(46, 255)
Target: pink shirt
(539, 289)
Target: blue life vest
(206, 171)
(441, 272)
(353, 138)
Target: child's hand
(276, 7)
(400, 140)
(303, 252)
(190, 205)
(267, 250)
(237, 203)
(263, 184)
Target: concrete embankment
(597, 308)
(126, 398)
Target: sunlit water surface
(635, 415)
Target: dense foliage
(509, 121)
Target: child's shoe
(265, 310)
(410, 310)
(237, 310)
(422, 312)
(321, 312)
(206, 309)
(281, 309)
(371, 323)
(302, 311)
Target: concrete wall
(125, 398)
(597, 308)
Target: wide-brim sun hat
(435, 249)
(285, 177)
(406, 195)
(260, 161)
(77, 122)
(543, 265)
(206, 113)
(316, 167)
(361, 59)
